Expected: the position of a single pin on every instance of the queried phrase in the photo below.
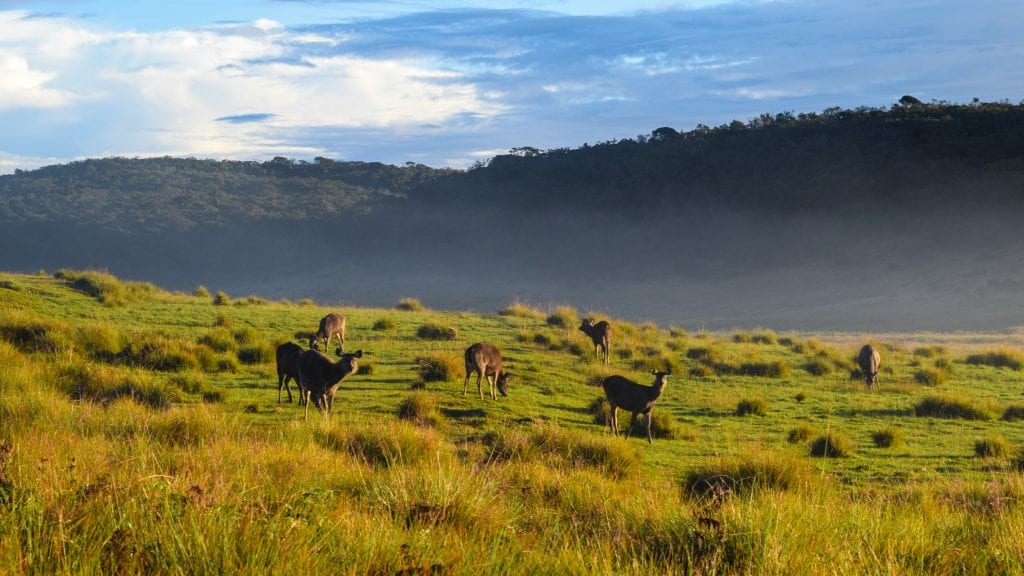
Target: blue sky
(450, 83)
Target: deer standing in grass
(319, 378)
(330, 326)
(600, 334)
(485, 360)
(632, 397)
(288, 369)
(868, 360)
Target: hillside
(141, 432)
(902, 218)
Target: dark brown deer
(600, 334)
(485, 360)
(868, 360)
(632, 397)
(288, 369)
(330, 326)
(319, 378)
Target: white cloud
(23, 87)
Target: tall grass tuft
(385, 446)
(29, 333)
(755, 406)
(567, 449)
(818, 367)
(832, 445)
(801, 433)
(889, 437)
(106, 288)
(520, 310)
(992, 446)
(420, 409)
(999, 359)
(772, 369)
(947, 406)
(441, 367)
(221, 299)
(410, 305)
(748, 474)
(436, 331)
(383, 325)
(931, 376)
(563, 317)
(201, 292)
(1013, 413)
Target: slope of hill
(900, 218)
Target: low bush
(755, 406)
(887, 438)
(397, 443)
(832, 445)
(436, 331)
(410, 305)
(420, 409)
(105, 287)
(951, 407)
(442, 367)
(801, 433)
(563, 317)
(219, 340)
(520, 310)
(744, 475)
(773, 369)
(201, 292)
(818, 367)
(992, 446)
(384, 325)
(999, 359)
(221, 299)
(1013, 412)
(189, 382)
(261, 353)
(931, 376)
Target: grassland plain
(140, 433)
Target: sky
(456, 82)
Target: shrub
(702, 371)
(365, 369)
(189, 382)
(384, 325)
(773, 369)
(256, 354)
(748, 474)
(999, 359)
(443, 367)
(818, 367)
(831, 445)
(102, 342)
(706, 355)
(931, 377)
(105, 287)
(221, 299)
(600, 410)
(520, 310)
(419, 408)
(887, 438)
(219, 340)
(410, 305)
(950, 407)
(435, 331)
(755, 406)
(1014, 412)
(992, 446)
(201, 292)
(801, 433)
(800, 396)
(563, 317)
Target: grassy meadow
(141, 432)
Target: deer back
(287, 356)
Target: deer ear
(653, 371)
(358, 354)
(668, 372)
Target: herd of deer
(318, 377)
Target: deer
(636, 398)
(288, 369)
(868, 361)
(319, 378)
(600, 334)
(330, 326)
(485, 360)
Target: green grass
(135, 439)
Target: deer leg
(613, 422)
(491, 386)
(280, 382)
(465, 385)
(305, 402)
(649, 441)
(479, 386)
(632, 422)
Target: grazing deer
(600, 334)
(485, 360)
(632, 397)
(868, 360)
(330, 326)
(319, 378)
(288, 369)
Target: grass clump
(801, 433)
(832, 445)
(520, 310)
(563, 317)
(744, 475)
(261, 353)
(104, 287)
(946, 406)
(773, 369)
(383, 325)
(201, 292)
(764, 337)
(1013, 413)
(931, 376)
(436, 331)
(929, 351)
(221, 299)
(992, 446)
(397, 443)
(219, 340)
(31, 334)
(442, 367)
(998, 359)
(420, 409)
(568, 449)
(189, 382)
(818, 367)
(410, 305)
(755, 406)
(889, 437)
